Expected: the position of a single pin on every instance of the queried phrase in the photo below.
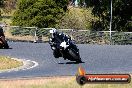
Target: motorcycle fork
(63, 54)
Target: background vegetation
(54, 13)
(39, 13)
(76, 18)
(122, 18)
(91, 15)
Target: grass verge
(8, 63)
(54, 82)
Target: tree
(40, 13)
(121, 14)
(1, 5)
(9, 5)
(76, 18)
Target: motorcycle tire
(6, 46)
(4, 43)
(56, 53)
(74, 55)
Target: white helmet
(53, 30)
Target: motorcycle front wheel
(75, 56)
(56, 53)
(6, 46)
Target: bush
(39, 13)
(76, 18)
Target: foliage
(39, 13)
(9, 5)
(121, 38)
(76, 18)
(43, 32)
(98, 37)
(1, 5)
(19, 31)
(121, 14)
(82, 2)
(81, 37)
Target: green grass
(55, 82)
(75, 85)
(8, 63)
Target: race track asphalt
(96, 58)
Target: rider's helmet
(53, 31)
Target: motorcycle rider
(1, 35)
(59, 38)
(63, 46)
(3, 42)
(1, 32)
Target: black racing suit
(1, 32)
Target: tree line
(47, 13)
(121, 17)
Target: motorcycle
(63, 46)
(3, 42)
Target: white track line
(33, 66)
(27, 64)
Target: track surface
(97, 58)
